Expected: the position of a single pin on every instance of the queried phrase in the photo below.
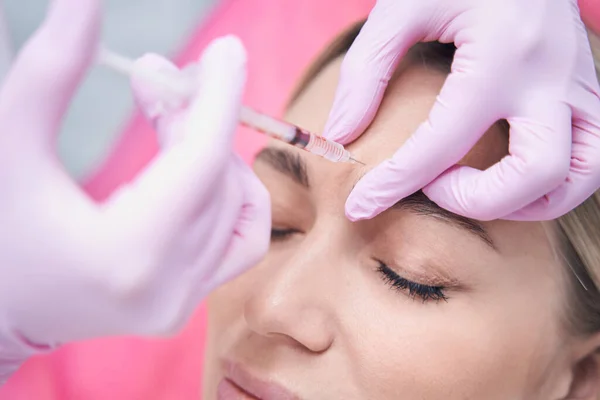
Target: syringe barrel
(327, 149)
(183, 86)
(267, 125)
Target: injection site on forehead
(293, 166)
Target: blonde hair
(579, 242)
(577, 234)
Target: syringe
(275, 128)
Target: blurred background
(132, 27)
(282, 37)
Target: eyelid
(282, 234)
(422, 273)
(412, 289)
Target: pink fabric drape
(281, 36)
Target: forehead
(406, 104)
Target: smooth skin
(316, 317)
(71, 269)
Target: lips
(240, 384)
(227, 390)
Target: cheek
(220, 319)
(388, 346)
(225, 307)
(400, 348)
(226, 304)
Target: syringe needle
(276, 128)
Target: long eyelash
(413, 289)
(281, 234)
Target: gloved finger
(250, 224)
(50, 67)
(214, 109)
(540, 150)
(204, 243)
(367, 69)
(584, 173)
(160, 105)
(461, 114)
(165, 196)
(253, 229)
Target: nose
(293, 300)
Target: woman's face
(414, 304)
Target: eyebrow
(286, 162)
(293, 166)
(420, 204)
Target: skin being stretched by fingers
(551, 102)
(416, 303)
(140, 263)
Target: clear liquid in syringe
(263, 123)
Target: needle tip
(355, 161)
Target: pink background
(590, 10)
(281, 36)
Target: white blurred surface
(104, 103)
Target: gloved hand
(140, 263)
(526, 61)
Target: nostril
(290, 323)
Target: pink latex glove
(71, 269)
(526, 61)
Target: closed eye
(410, 288)
(278, 235)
